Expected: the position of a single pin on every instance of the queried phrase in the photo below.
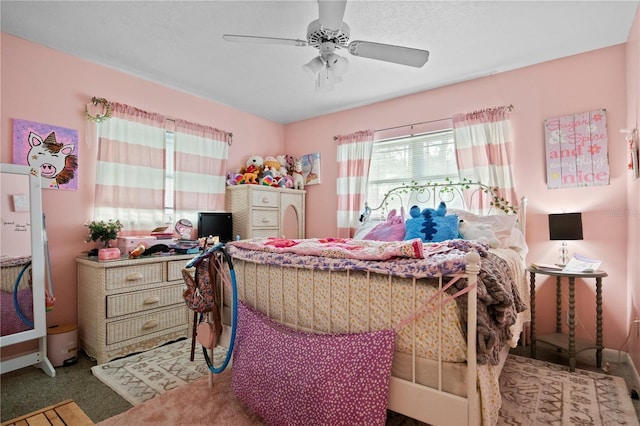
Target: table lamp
(564, 227)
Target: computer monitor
(218, 224)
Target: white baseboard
(634, 372)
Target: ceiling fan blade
(264, 40)
(389, 53)
(331, 14)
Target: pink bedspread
(343, 248)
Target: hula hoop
(234, 313)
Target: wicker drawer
(153, 322)
(129, 276)
(264, 218)
(174, 270)
(265, 233)
(264, 198)
(138, 301)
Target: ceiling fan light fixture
(326, 80)
(338, 64)
(314, 67)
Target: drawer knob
(150, 324)
(265, 200)
(134, 277)
(265, 220)
(151, 300)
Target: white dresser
(130, 305)
(264, 211)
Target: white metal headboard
(456, 195)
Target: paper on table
(580, 263)
(546, 266)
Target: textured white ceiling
(179, 44)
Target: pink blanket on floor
(345, 248)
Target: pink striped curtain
(201, 154)
(354, 157)
(484, 150)
(130, 169)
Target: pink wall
(633, 193)
(44, 85)
(569, 85)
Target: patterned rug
(140, 377)
(539, 393)
(533, 392)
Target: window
(428, 157)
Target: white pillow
(517, 242)
(501, 224)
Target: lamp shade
(565, 226)
(313, 67)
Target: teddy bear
(478, 231)
(252, 170)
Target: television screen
(215, 224)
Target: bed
(457, 305)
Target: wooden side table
(558, 339)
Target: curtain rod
(106, 105)
(509, 108)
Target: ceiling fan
(328, 34)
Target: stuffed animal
(272, 164)
(431, 225)
(390, 230)
(478, 231)
(284, 169)
(251, 175)
(298, 179)
(256, 161)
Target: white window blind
(428, 157)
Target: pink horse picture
(52, 150)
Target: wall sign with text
(577, 150)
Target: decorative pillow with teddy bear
(431, 225)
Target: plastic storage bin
(62, 344)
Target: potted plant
(103, 232)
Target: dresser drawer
(129, 276)
(264, 198)
(138, 301)
(174, 269)
(153, 322)
(265, 233)
(264, 218)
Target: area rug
(540, 393)
(140, 377)
(533, 393)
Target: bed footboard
(282, 293)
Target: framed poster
(577, 150)
(311, 168)
(51, 149)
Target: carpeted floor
(534, 393)
(29, 389)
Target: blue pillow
(431, 225)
